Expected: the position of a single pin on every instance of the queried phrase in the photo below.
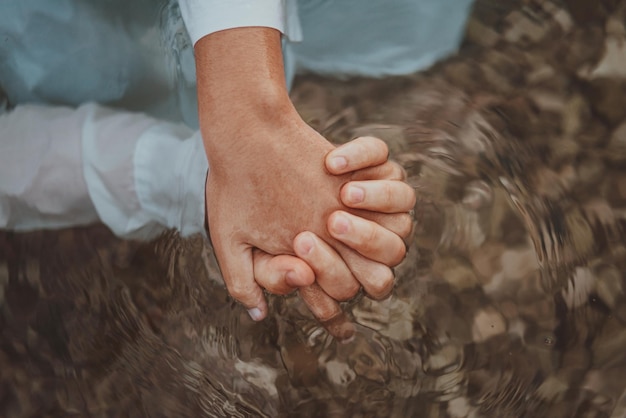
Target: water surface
(510, 303)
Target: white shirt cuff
(143, 175)
(63, 167)
(170, 177)
(203, 17)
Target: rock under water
(510, 303)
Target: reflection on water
(511, 302)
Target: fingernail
(356, 194)
(305, 245)
(338, 163)
(341, 224)
(255, 314)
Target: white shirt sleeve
(203, 17)
(62, 167)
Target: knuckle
(326, 314)
(348, 293)
(398, 255)
(383, 149)
(388, 194)
(370, 240)
(274, 285)
(321, 305)
(238, 291)
(374, 148)
(409, 190)
(382, 283)
(360, 147)
(405, 225)
(397, 172)
(413, 198)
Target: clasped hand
(285, 209)
(306, 215)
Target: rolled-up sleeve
(62, 167)
(203, 17)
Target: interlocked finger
(385, 196)
(367, 238)
(377, 279)
(281, 274)
(331, 273)
(389, 170)
(357, 154)
(328, 312)
(400, 224)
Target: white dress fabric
(63, 166)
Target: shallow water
(511, 302)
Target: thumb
(238, 273)
(281, 274)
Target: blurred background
(511, 302)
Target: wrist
(240, 74)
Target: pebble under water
(510, 303)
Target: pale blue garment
(377, 37)
(133, 54)
(136, 55)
